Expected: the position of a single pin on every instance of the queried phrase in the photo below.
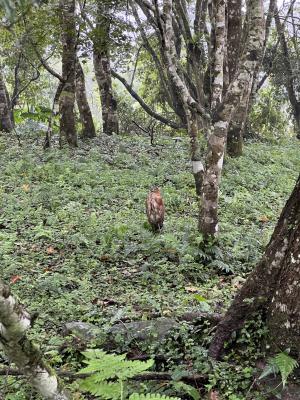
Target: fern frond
(105, 390)
(105, 367)
(188, 389)
(151, 396)
(286, 365)
(281, 363)
(110, 366)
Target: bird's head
(155, 189)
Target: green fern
(281, 363)
(286, 365)
(151, 396)
(109, 372)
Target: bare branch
(148, 110)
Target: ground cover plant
(75, 246)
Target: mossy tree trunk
(67, 96)
(6, 123)
(272, 287)
(88, 127)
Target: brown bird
(155, 209)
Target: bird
(155, 209)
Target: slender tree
(67, 96)
(273, 287)
(86, 117)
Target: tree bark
(273, 286)
(101, 58)
(67, 96)
(86, 117)
(237, 124)
(208, 221)
(14, 322)
(235, 130)
(6, 123)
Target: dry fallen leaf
(50, 250)
(26, 187)
(191, 289)
(263, 219)
(15, 279)
(213, 395)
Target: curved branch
(145, 106)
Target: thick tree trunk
(108, 102)
(14, 322)
(88, 127)
(67, 96)
(101, 58)
(6, 123)
(273, 286)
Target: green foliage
(10, 6)
(188, 389)
(153, 396)
(283, 364)
(268, 118)
(73, 231)
(106, 367)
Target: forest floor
(75, 246)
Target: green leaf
(199, 298)
(188, 389)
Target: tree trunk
(273, 286)
(6, 123)
(297, 119)
(101, 58)
(196, 157)
(67, 97)
(86, 117)
(108, 102)
(14, 322)
(208, 218)
(235, 130)
(237, 125)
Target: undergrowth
(75, 244)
